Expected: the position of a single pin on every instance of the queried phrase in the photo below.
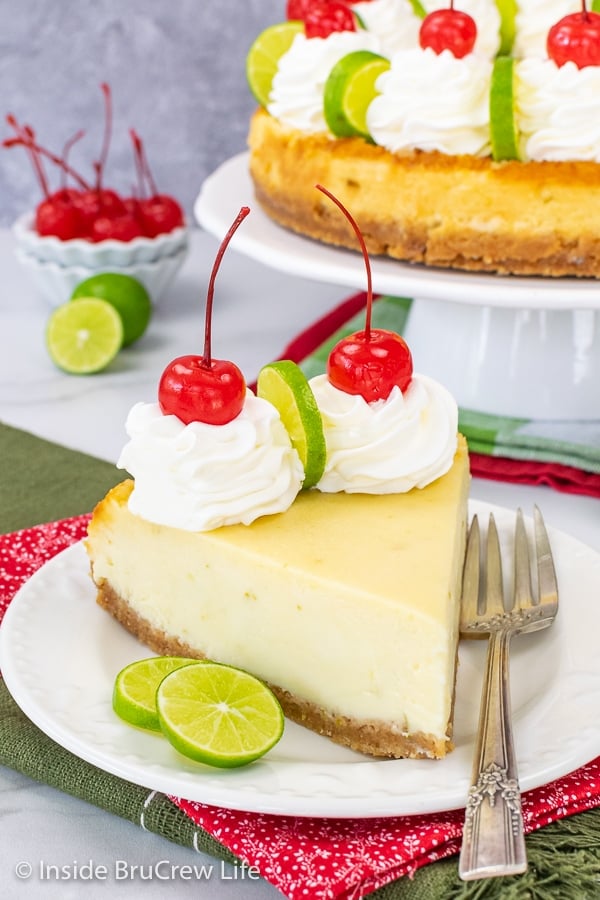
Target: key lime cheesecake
(340, 593)
(479, 153)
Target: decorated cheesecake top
(211, 453)
(520, 80)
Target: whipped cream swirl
(412, 112)
(558, 110)
(393, 21)
(296, 97)
(198, 477)
(389, 446)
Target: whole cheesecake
(345, 604)
(445, 174)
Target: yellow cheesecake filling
(347, 605)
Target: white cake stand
(518, 347)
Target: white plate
(59, 654)
(230, 187)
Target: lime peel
(127, 294)
(503, 133)
(284, 384)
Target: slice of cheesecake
(346, 604)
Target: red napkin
(307, 857)
(499, 468)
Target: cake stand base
(519, 363)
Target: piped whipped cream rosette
(198, 476)
(412, 113)
(296, 97)
(387, 446)
(557, 110)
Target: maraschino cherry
(575, 38)
(92, 211)
(200, 388)
(323, 18)
(370, 362)
(448, 29)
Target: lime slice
(134, 693)
(84, 337)
(503, 132)
(595, 7)
(264, 55)
(284, 384)
(508, 12)
(218, 715)
(349, 90)
(128, 296)
(418, 9)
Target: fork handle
(493, 841)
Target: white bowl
(56, 283)
(79, 252)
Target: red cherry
(94, 203)
(448, 29)
(297, 9)
(323, 18)
(195, 392)
(58, 216)
(575, 38)
(372, 362)
(200, 388)
(159, 214)
(120, 227)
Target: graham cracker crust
(460, 212)
(370, 737)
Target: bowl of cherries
(81, 227)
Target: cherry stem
(24, 133)
(29, 143)
(100, 165)
(142, 165)
(206, 356)
(65, 154)
(365, 254)
(137, 156)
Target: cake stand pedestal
(521, 363)
(518, 347)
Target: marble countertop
(257, 311)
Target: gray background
(177, 73)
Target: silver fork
(493, 841)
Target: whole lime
(128, 296)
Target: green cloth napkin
(41, 482)
(575, 443)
